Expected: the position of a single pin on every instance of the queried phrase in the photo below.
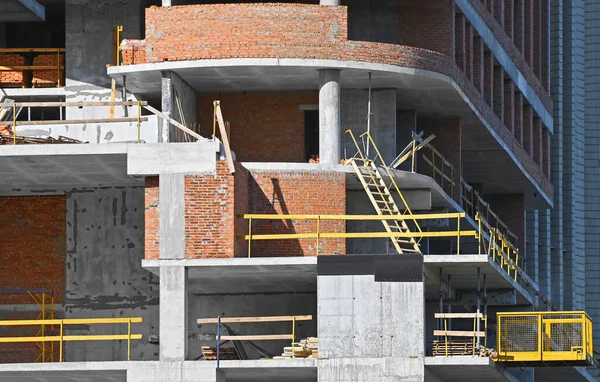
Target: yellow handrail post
(61, 341)
(318, 232)
(249, 236)
(118, 31)
(458, 236)
(129, 340)
(446, 335)
(293, 336)
(139, 121)
(14, 124)
(42, 331)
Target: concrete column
(166, 105)
(330, 130)
(171, 216)
(326, 2)
(173, 313)
(166, 3)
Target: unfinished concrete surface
(22, 10)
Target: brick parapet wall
(32, 246)
(133, 52)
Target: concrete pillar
(330, 130)
(173, 313)
(328, 2)
(171, 216)
(166, 105)
(166, 3)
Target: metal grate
(520, 334)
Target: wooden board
(72, 104)
(457, 333)
(79, 121)
(458, 315)
(229, 320)
(258, 337)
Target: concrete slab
(468, 369)
(243, 275)
(463, 269)
(31, 94)
(22, 11)
(65, 372)
(426, 91)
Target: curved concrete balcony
(281, 47)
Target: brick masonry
(48, 78)
(262, 123)
(215, 204)
(10, 78)
(151, 218)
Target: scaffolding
(45, 300)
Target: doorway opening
(311, 134)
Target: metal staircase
(380, 195)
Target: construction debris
(210, 353)
(9, 139)
(306, 348)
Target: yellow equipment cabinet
(548, 337)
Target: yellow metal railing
(450, 347)
(58, 325)
(545, 337)
(318, 235)
(498, 248)
(439, 168)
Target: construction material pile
(306, 348)
(210, 353)
(460, 348)
(8, 139)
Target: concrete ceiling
(52, 169)
(432, 94)
(22, 11)
(65, 376)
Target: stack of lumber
(12, 78)
(48, 77)
(306, 348)
(455, 348)
(8, 139)
(210, 353)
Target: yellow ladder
(381, 197)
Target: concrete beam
(494, 298)
(330, 126)
(324, 2)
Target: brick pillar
(528, 129)
(519, 25)
(447, 141)
(499, 12)
(488, 78)
(537, 38)
(528, 18)
(469, 51)
(478, 63)
(545, 46)
(509, 18)
(459, 41)
(518, 117)
(509, 105)
(537, 141)
(499, 92)
(546, 151)
(510, 208)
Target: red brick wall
(133, 52)
(447, 141)
(151, 219)
(510, 208)
(32, 245)
(48, 78)
(297, 192)
(265, 127)
(427, 24)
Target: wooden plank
(458, 315)
(224, 137)
(174, 122)
(78, 121)
(72, 104)
(457, 333)
(32, 50)
(113, 90)
(258, 338)
(229, 320)
(29, 67)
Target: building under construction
(299, 191)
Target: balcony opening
(36, 48)
(311, 134)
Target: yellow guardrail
(57, 325)
(318, 235)
(545, 337)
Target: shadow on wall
(275, 203)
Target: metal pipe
(478, 300)
(369, 115)
(450, 299)
(124, 96)
(441, 295)
(218, 340)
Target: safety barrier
(57, 326)
(318, 235)
(450, 347)
(545, 337)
